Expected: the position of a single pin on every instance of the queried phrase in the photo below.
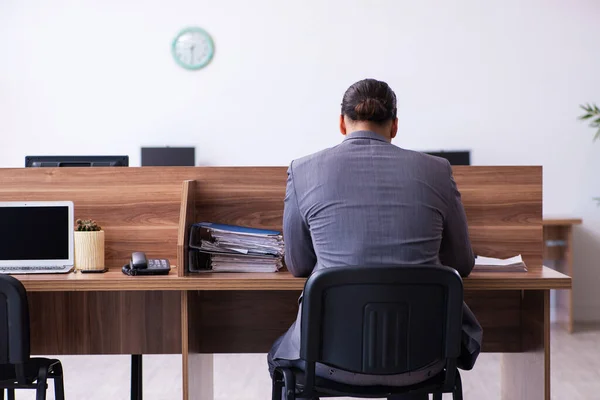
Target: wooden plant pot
(89, 251)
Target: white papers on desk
(231, 263)
(489, 264)
(227, 243)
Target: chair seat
(32, 369)
(326, 387)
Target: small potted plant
(89, 246)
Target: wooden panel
(561, 221)
(243, 196)
(504, 242)
(105, 322)
(155, 242)
(197, 367)
(499, 313)
(504, 210)
(503, 204)
(498, 205)
(186, 218)
(243, 322)
(526, 375)
(493, 196)
(249, 322)
(140, 207)
(555, 233)
(137, 207)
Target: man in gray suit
(368, 202)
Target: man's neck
(371, 128)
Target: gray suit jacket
(368, 202)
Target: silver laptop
(36, 237)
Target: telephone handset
(140, 265)
(138, 260)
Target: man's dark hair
(369, 100)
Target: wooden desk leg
(561, 260)
(197, 368)
(569, 266)
(526, 375)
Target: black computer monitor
(168, 156)
(76, 161)
(454, 157)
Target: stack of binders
(230, 248)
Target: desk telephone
(140, 265)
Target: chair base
(33, 375)
(285, 386)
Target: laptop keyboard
(46, 268)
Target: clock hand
(192, 47)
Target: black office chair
(17, 369)
(377, 321)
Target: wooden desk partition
(150, 209)
(138, 208)
(504, 211)
(503, 205)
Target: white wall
(501, 77)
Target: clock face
(193, 48)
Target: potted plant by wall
(89, 246)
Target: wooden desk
(558, 255)
(150, 209)
(115, 280)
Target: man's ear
(394, 129)
(342, 125)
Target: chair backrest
(381, 320)
(14, 321)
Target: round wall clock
(193, 48)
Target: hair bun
(370, 109)
(369, 100)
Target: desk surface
(116, 281)
(561, 221)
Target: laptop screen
(34, 233)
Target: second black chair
(378, 321)
(17, 369)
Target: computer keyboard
(21, 269)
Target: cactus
(87, 225)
